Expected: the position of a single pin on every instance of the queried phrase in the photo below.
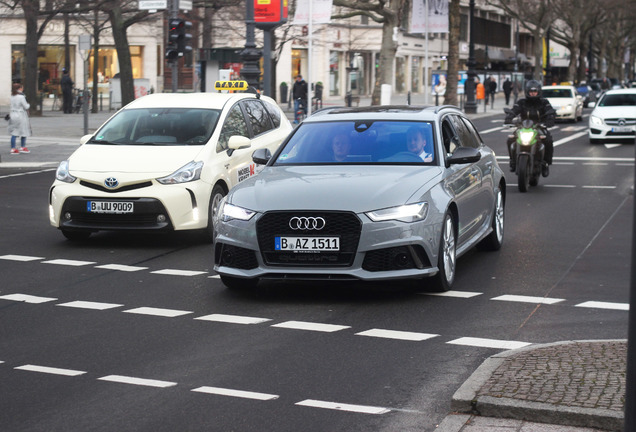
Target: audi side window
(473, 131)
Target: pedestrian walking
(19, 124)
(480, 92)
(492, 89)
(507, 88)
(67, 92)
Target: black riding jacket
(537, 109)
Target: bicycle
(301, 112)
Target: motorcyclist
(539, 110)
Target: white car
(164, 162)
(566, 101)
(614, 116)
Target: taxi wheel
(218, 192)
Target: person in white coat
(19, 124)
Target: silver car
(374, 193)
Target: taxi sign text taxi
(230, 85)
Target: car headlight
(596, 120)
(526, 137)
(187, 173)
(62, 173)
(404, 213)
(228, 212)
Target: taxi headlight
(404, 213)
(62, 173)
(187, 173)
(228, 212)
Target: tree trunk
(454, 20)
(95, 92)
(123, 53)
(388, 49)
(31, 9)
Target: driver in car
(416, 143)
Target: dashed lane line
(457, 294)
(120, 267)
(90, 305)
(400, 335)
(27, 298)
(65, 262)
(489, 343)
(137, 381)
(169, 313)
(233, 319)
(50, 370)
(604, 305)
(528, 299)
(236, 393)
(23, 258)
(311, 326)
(343, 407)
(176, 272)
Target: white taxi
(566, 101)
(164, 162)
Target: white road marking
(27, 298)
(488, 343)
(625, 164)
(90, 305)
(120, 267)
(171, 313)
(598, 187)
(563, 163)
(235, 393)
(527, 299)
(72, 263)
(569, 138)
(609, 146)
(137, 381)
(175, 272)
(343, 407)
(24, 164)
(233, 319)
(451, 293)
(20, 258)
(493, 130)
(559, 186)
(595, 163)
(216, 276)
(301, 325)
(394, 334)
(604, 305)
(50, 370)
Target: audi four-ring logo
(307, 223)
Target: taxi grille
(130, 187)
(344, 225)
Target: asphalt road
(135, 333)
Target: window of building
(51, 61)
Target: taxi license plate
(622, 129)
(302, 244)
(112, 207)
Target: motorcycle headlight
(187, 173)
(404, 213)
(228, 212)
(62, 173)
(596, 120)
(526, 137)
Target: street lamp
(469, 88)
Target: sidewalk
(559, 387)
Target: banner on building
(320, 10)
(437, 16)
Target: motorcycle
(527, 148)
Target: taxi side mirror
(237, 142)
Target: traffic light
(172, 47)
(185, 38)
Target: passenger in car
(341, 146)
(416, 143)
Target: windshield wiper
(95, 141)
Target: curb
(466, 399)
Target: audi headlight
(62, 173)
(187, 173)
(596, 120)
(228, 212)
(405, 213)
(526, 137)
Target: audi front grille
(344, 225)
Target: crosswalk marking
(20, 258)
(27, 298)
(343, 407)
(489, 343)
(120, 267)
(72, 263)
(50, 370)
(235, 393)
(90, 305)
(233, 319)
(170, 313)
(301, 325)
(604, 305)
(527, 299)
(137, 381)
(394, 334)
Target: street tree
(454, 26)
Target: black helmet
(533, 85)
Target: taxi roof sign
(230, 85)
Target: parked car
(566, 101)
(163, 163)
(588, 94)
(350, 195)
(614, 116)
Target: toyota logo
(621, 122)
(111, 182)
(307, 223)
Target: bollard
(408, 98)
(436, 99)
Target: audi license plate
(622, 129)
(303, 244)
(112, 207)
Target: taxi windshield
(360, 142)
(158, 126)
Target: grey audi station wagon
(373, 193)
